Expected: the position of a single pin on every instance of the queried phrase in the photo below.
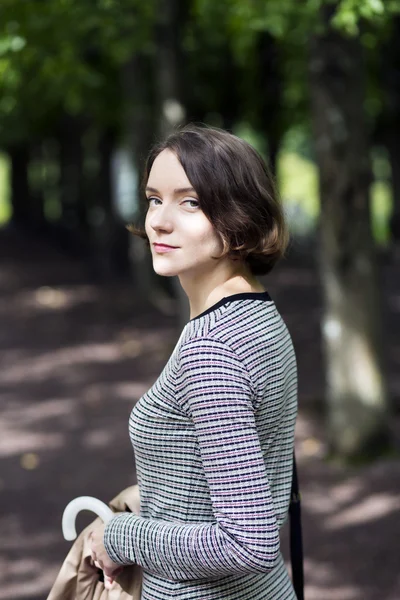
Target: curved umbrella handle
(83, 503)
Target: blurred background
(86, 87)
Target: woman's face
(175, 218)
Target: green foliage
(65, 55)
(297, 179)
(349, 13)
(291, 24)
(291, 20)
(4, 191)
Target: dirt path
(74, 358)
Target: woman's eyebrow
(185, 190)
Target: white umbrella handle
(83, 503)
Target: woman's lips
(163, 248)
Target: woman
(213, 437)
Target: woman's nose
(161, 219)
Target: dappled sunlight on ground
(325, 584)
(66, 359)
(26, 578)
(372, 508)
(351, 523)
(75, 358)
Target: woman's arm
(216, 392)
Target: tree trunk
(38, 187)
(137, 83)
(393, 148)
(73, 207)
(140, 125)
(230, 98)
(110, 235)
(269, 100)
(388, 130)
(352, 325)
(171, 110)
(21, 201)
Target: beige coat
(78, 578)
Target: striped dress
(213, 441)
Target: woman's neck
(201, 297)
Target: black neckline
(241, 296)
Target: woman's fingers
(108, 582)
(97, 563)
(112, 573)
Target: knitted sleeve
(215, 391)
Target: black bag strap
(296, 540)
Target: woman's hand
(101, 558)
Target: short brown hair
(236, 193)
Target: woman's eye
(152, 198)
(196, 202)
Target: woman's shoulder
(237, 325)
(247, 332)
(233, 318)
